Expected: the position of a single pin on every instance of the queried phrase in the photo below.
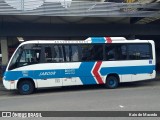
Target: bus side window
(98, 52)
(36, 56)
(72, 53)
(67, 50)
(48, 54)
(57, 53)
(121, 52)
(139, 51)
(110, 52)
(116, 52)
(75, 56)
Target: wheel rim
(25, 87)
(112, 82)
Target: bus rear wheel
(111, 82)
(26, 87)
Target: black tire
(111, 82)
(26, 87)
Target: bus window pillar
(4, 52)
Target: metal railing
(78, 8)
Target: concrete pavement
(129, 96)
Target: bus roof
(88, 40)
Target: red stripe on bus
(96, 74)
(108, 40)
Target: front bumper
(8, 84)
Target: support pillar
(4, 52)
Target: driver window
(29, 57)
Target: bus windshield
(25, 56)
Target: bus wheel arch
(26, 86)
(112, 81)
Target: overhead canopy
(78, 18)
(97, 8)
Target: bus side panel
(82, 75)
(71, 81)
(49, 82)
(126, 78)
(131, 70)
(54, 74)
(143, 72)
(153, 51)
(154, 57)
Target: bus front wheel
(26, 87)
(111, 82)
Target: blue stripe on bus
(83, 72)
(98, 39)
(127, 70)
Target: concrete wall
(4, 50)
